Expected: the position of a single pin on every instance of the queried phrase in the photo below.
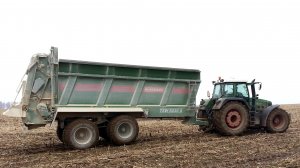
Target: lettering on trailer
(153, 89)
(171, 110)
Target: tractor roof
(235, 81)
(220, 80)
(231, 81)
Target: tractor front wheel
(278, 121)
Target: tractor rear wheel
(232, 119)
(278, 121)
(122, 130)
(81, 134)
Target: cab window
(228, 90)
(242, 90)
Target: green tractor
(234, 107)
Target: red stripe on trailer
(61, 86)
(86, 87)
(152, 89)
(180, 91)
(122, 89)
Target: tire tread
(111, 129)
(67, 133)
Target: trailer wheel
(59, 133)
(278, 121)
(232, 119)
(123, 130)
(81, 134)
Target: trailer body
(61, 89)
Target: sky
(233, 39)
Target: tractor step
(253, 121)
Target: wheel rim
(83, 135)
(125, 130)
(278, 121)
(233, 119)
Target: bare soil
(160, 144)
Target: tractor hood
(262, 104)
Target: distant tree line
(5, 105)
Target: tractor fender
(222, 101)
(265, 114)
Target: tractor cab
(241, 91)
(232, 89)
(235, 106)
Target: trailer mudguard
(265, 114)
(98, 110)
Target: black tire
(59, 133)
(123, 130)
(232, 119)
(81, 134)
(278, 121)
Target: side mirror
(260, 85)
(208, 94)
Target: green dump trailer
(91, 100)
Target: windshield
(217, 92)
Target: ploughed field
(160, 144)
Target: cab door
(243, 92)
